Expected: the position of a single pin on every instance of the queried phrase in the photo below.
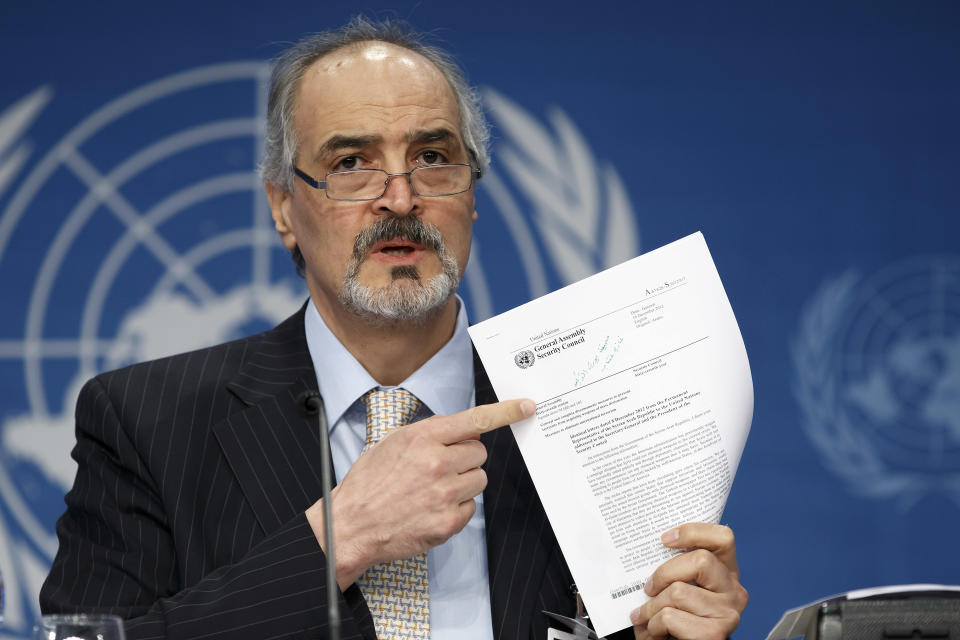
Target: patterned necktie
(396, 592)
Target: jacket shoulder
(195, 381)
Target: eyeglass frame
(475, 174)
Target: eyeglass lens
(371, 183)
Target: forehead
(373, 88)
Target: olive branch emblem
(579, 206)
(14, 121)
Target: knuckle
(679, 595)
(668, 617)
(482, 450)
(741, 597)
(641, 615)
(729, 622)
(451, 524)
(444, 494)
(435, 467)
(734, 619)
(437, 533)
(483, 479)
(650, 609)
(726, 536)
(701, 559)
(435, 539)
(478, 419)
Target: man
(195, 511)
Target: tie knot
(388, 409)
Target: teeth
(397, 251)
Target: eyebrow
(418, 136)
(424, 136)
(338, 142)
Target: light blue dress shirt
(459, 584)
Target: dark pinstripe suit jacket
(186, 516)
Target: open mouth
(397, 248)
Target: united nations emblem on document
(525, 359)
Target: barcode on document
(619, 593)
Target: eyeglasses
(431, 180)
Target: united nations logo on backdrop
(877, 377)
(144, 232)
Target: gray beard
(407, 298)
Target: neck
(390, 351)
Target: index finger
(473, 422)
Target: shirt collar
(444, 383)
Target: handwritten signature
(600, 361)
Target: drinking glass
(79, 627)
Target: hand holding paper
(644, 402)
(695, 595)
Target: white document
(644, 402)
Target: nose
(398, 196)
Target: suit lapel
(271, 445)
(516, 527)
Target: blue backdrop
(816, 146)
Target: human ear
(279, 200)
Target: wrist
(349, 565)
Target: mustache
(389, 227)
